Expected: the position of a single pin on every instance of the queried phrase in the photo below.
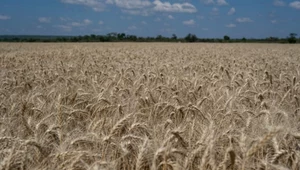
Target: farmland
(149, 106)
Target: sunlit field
(149, 106)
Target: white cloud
(4, 17)
(215, 11)
(39, 27)
(176, 7)
(157, 19)
(279, 3)
(144, 22)
(100, 22)
(44, 20)
(87, 21)
(205, 29)
(125, 17)
(274, 21)
(83, 23)
(222, 2)
(132, 27)
(76, 24)
(63, 27)
(142, 12)
(170, 17)
(208, 1)
(99, 5)
(130, 4)
(140, 7)
(295, 4)
(231, 11)
(240, 20)
(230, 25)
(189, 22)
(218, 2)
(94, 4)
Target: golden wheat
(149, 106)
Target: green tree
(174, 37)
(272, 39)
(121, 36)
(131, 37)
(86, 38)
(292, 38)
(112, 36)
(159, 37)
(226, 38)
(191, 38)
(93, 37)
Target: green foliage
(159, 37)
(122, 37)
(292, 38)
(226, 38)
(174, 36)
(191, 38)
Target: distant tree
(112, 34)
(121, 36)
(93, 37)
(141, 39)
(174, 37)
(32, 40)
(218, 40)
(292, 38)
(226, 38)
(86, 38)
(64, 39)
(159, 37)
(131, 37)
(191, 38)
(74, 39)
(16, 39)
(272, 39)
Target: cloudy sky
(205, 18)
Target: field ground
(149, 106)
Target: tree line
(122, 37)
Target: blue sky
(205, 18)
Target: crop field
(152, 106)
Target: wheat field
(152, 106)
